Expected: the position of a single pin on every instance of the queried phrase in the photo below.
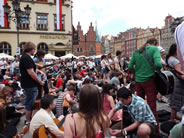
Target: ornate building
(167, 37)
(144, 35)
(88, 44)
(40, 28)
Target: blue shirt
(139, 110)
(36, 60)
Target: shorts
(31, 95)
(104, 71)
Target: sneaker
(27, 123)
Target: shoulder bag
(164, 80)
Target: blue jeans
(31, 94)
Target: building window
(91, 48)
(79, 49)
(24, 24)
(63, 22)
(42, 21)
(22, 47)
(43, 46)
(5, 48)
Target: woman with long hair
(109, 102)
(90, 120)
(177, 97)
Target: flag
(3, 18)
(59, 14)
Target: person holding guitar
(144, 74)
(46, 117)
(40, 62)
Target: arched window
(59, 44)
(5, 48)
(44, 47)
(22, 47)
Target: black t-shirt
(26, 62)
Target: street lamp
(18, 18)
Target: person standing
(40, 62)
(3, 66)
(29, 80)
(178, 36)
(144, 74)
(177, 97)
(16, 69)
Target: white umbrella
(50, 56)
(82, 56)
(98, 56)
(3, 55)
(68, 56)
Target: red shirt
(59, 82)
(82, 72)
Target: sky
(114, 16)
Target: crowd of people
(107, 97)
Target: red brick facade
(87, 43)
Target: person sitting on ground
(45, 117)
(115, 80)
(144, 122)
(68, 100)
(109, 102)
(91, 120)
(7, 98)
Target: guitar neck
(61, 122)
(46, 66)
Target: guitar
(164, 81)
(23, 132)
(14, 100)
(43, 132)
(44, 66)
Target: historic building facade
(144, 35)
(40, 29)
(167, 37)
(88, 44)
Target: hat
(161, 49)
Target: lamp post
(17, 18)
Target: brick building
(167, 37)
(87, 44)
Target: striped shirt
(59, 105)
(139, 110)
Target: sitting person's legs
(146, 130)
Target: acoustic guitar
(43, 132)
(23, 132)
(14, 100)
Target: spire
(97, 35)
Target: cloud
(131, 13)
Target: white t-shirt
(4, 64)
(42, 117)
(103, 64)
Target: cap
(161, 49)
